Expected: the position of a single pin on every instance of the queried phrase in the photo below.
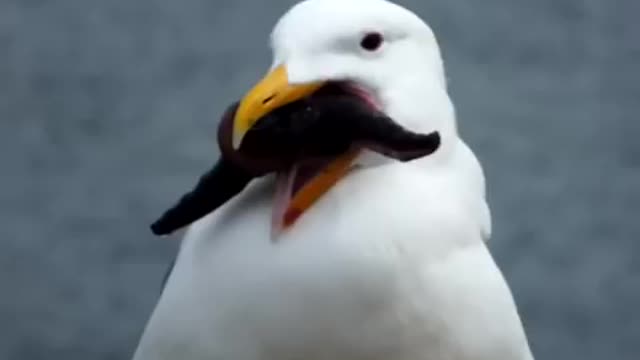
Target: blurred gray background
(108, 112)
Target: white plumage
(391, 263)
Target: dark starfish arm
(216, 187)
(329, 125)
(381, 134)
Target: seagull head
(381, 50)
(375, 49)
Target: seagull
(370, 258)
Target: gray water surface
(108, 112)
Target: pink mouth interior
(287, 185)
(303, 174)
(363, 94)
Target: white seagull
(389, 259)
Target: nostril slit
(265, 101)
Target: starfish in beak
(309, 137)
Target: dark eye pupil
(371, 41)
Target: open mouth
(311, 176)
(344, 119)
(350, 121)
(353, 120)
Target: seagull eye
(371, 41)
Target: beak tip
(236, 142)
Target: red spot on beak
(291, 215)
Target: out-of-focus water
(108, 112)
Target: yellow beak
(272, 92)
